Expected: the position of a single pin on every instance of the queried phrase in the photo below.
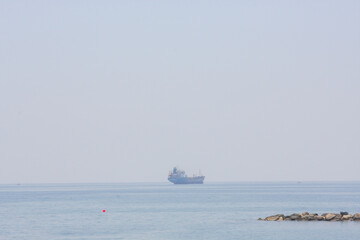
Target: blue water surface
(166, 211)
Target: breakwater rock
(305, 216)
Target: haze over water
(122, 91)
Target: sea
(167, 211)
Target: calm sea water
(166, 211)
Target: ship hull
(187, 180)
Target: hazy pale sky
(122, 91)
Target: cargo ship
(178, 176)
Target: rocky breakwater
(305, 216)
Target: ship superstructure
(178, 176)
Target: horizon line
(153, 182)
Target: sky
(122, 91)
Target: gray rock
(295, 216)
(337, 217)
(356, 217)
(274, 217)
(347, 217)
(304, 214)
(309, 217)
(329, 216)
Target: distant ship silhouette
(178, 176)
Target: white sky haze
(122, 91)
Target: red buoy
(104, 210)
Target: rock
(274, 217)
(356, 217)
(304, 214)
(295, 217)
(329, 216)
(319, 218)
(346, 217)
(337, 217)
(309, 217)
(271, 218)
